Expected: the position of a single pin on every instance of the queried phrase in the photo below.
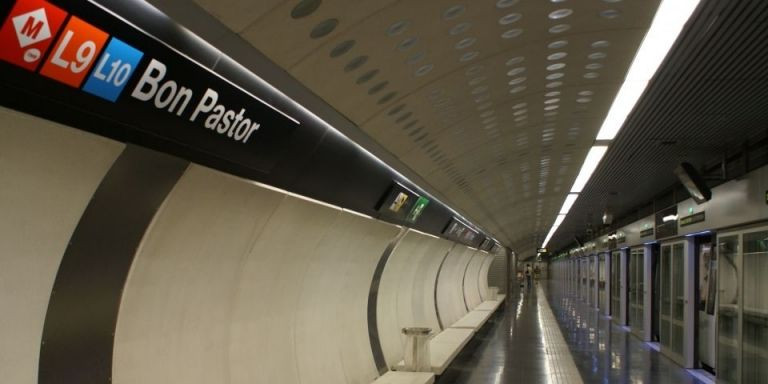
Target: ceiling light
(594, 156)
(666, 27)
(568, 204)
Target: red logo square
(28, 32)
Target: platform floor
(522, 344)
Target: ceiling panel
(493, 103)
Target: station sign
(101, 63)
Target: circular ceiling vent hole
(387, 98)
(453, 12)
(324, 28)
(378, 87)
(364, 78)
(396, 110)
(397, 28)
(342, 48)
(355, 63)
(305, 8)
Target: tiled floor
(522, 344)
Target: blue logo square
(113, 70)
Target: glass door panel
(584, 274)
(678, 281)
(591, 291)
(755, 315)
(602, 295)
(636, 291)
(615, 288)
(728, 309)
(665, 294)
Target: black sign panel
(487, 244)
(97, 63)
(692, 219)
(646, 232)
(397, 202)
(458, 231)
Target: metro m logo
(31, 27)
(28, 32)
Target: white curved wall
(235, 283)
(450, 292)
(483, 281)
(407, 291)
(472, 280)
(48, 173)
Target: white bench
(444, 347)
(393, 377)
(490, 305)
(473, 320)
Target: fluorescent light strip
(666, 26)
(594, 156)
(568, 204)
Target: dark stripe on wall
(437, 279)
(373, 299)
(480, 276)
(464, 282)
(78, 334)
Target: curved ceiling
(494, 103)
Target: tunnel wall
(451, 302)
(231, 281)
(48, 173)
(407, 291)
(471, 282)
